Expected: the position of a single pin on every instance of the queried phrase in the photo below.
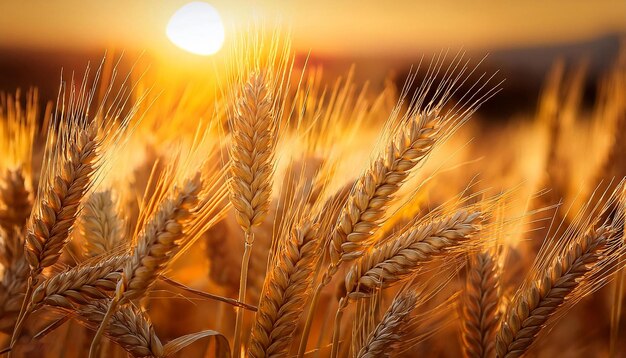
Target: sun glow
(196, 27)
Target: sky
(333, 27)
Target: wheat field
(304, 216)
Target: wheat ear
(397, 258)
(252, 153)
(81, 284)
(52, 219)
(374, 190)
(389, 330)
(159, 240)
(14, 278)
(251, 168)
(479, 319)
(532, 307)
(49, 226)
(14, 282)
(15, 197)
(284, 294)
(420, 129)
(129, 327)
(100, 225)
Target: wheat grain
(284, 294)
(479, 318)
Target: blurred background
(522, 39)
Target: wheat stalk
(532, 307)
(284, 294)
(389, 331)
(399, 257)
(100, 224)
(480, 306)
(259, 258)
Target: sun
(196, 27)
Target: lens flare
(196, 27)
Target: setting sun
(197, 28)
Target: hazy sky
(326, 26)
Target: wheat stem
(94, 349)
(306, 331)
(242, 293)
(210, 296)
(343, 303)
